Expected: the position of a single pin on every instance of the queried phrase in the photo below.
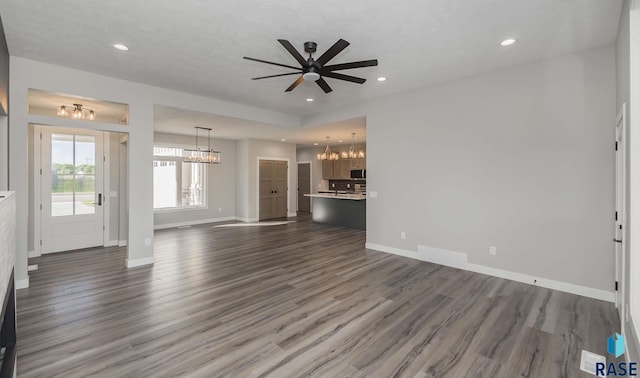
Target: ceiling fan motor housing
(310, 47)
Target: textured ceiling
(180, 121)
(197, 46)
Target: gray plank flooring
(293, 300)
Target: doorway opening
(76, 191)
(304, 186)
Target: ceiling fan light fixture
(311, 76)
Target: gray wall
(520, 159)
(221, 183)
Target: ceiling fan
(316, 69)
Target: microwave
(358, 173)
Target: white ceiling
(197, 46)
(180, 121)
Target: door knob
(99, 203)
(617, 240)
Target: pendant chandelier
(76, 112)
(327, 154)
(353, 153)
(203, 155)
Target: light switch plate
(373, 194)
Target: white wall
(520, 159)
(26, 74)
(221, 180)
(242, 180)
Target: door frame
(258, 159)
(37, 183)
(620, 258)
(310, 184)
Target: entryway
(75, 189)
(273, 190)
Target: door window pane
(164, 184)
(73, 174)
(85, 194)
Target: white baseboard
(122, 243)
(22, 284)
(292, 215)
(111, 243)
(192, 223)
(608, 296)
(31, 254)
(246, 220)
(139, 262)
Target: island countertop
(348, 196)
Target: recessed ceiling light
(310, 100)
(340, 141)
(315, 144)
(121, 47)
(508, 42)
(382, 78)
(283, 140)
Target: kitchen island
(340, 209)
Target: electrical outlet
(147, 242)
(492, 251)
(348, 185)
(403, 235)
(219, 209)
(333, 185)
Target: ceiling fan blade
(333, 51)
(348, 66)
(295, 84)
(323, 84)
(292, 50)
(275, 64)
(339, 76)
(284, 74)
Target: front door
(620, 213)
(71, 189)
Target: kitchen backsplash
(349, 185)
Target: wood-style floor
(293, 300)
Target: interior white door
(620, 214)
(71, 189)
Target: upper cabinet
(341, 169)
(357, 163)
(327, 169)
